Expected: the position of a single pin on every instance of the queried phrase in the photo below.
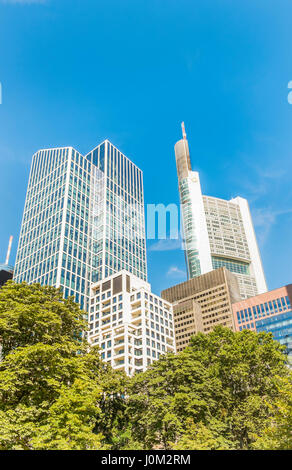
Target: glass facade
(189, 227)
(238, 267)
(83, 220)
(216, 232)
(248, 317)
(270, 312)
(118, 215)
(281, 328)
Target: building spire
(9, 250)
(183, 131)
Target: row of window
(264, 309)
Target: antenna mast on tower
(183, 131)
(9, 250)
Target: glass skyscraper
(217, 232)
(83, 220)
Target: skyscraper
(217, 232)
(83, 220)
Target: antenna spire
(183, 131)
(9, 250)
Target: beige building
(202, 303)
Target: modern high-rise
(217, 232)
(83, 220)
(132, 326)
(270, 312)
(202, 303)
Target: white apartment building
(217, 232)
(130, 324)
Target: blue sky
(77, 72)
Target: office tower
(6, 271)
(83, 220)
(202, 303)
(217, 232)
(270, 312)
(132, 326)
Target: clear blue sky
(77, 72)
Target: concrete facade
(132, 326)
(202, 303)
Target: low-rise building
(131, 325)
(249, 311)
(270, 312)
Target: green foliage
(31, 314)
(277, 434)
(71, 420)
(226, 390)
(54, 392)
(197, 436)
(220, 385)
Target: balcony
(118, 331)
(120, 352)
(136, 314)
(136, 306)
(119, 362)
(138, 363)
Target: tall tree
(220, 383)
(55, 392)
(277, 434)
(31, 314)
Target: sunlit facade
(132, 326)
(270, 312)
(217, 233)
(83, 220)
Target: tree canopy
(218, 389)
(226, 390)
(54, 391)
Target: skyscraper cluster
(83, 231)
(83, 220)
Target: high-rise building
(132, 326)
(202, 303)
(83, 220)
(217, 232)
(270, 312)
